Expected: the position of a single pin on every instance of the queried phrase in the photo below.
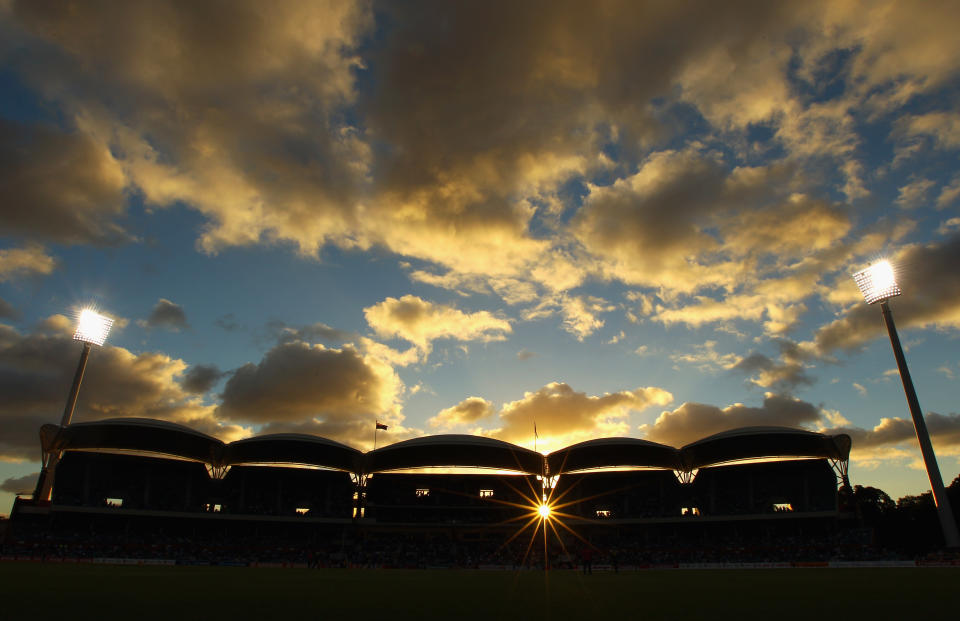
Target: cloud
(36, 371)
(524, 354)
(30, 260)
(915, 193)
(311, 333)
(83, 203)
(944, 127)
(707, 358)
(353, 124)
(928, 273)
(563, 414)
(645, 226)
(694, 421)
(580, 313)
(166, 315)
(949, 193)
(470, 410)
(201, 378)
(336, 393)
(860, 388)
(227, 323)
(20, 485)
(870, 443)
(421, 322)
(767, 373)
(7, 311)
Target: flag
(381, 426)
(535, 431)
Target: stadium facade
(144, 476)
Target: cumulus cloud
(30, 260)
(20, 485)
(768, 373)
(471, 175)
(83, 203)
(874, 442)
(200, 378)
(470, 410)
(335, 392)
(36, 371)
(890, 439)
(934, 301)
(694, 421)
(563, 415)
(167, 315)
(421, 322)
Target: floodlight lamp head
(92, 327)
(877, 283)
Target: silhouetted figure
(586, 556)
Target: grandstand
(131, 485)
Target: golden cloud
(470, 410)
(17, 262)
(421, 322)
(694, 421)
(36, 371)
(563, 415)
(296, 382)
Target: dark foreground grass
(36, 590)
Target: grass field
(36, 590)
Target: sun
(544, 511)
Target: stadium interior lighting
(544, 511)
(92, 327)
(878, 282)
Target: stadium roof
(613, 452)
(293, 448)
(454, 451)
(166, 438)
(760, 442)
(134, 434)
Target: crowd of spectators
(346, 546)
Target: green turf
(174, 593)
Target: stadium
(153, 490)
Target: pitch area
(174, 593)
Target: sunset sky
(610, 218)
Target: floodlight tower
(878, 283)
(92, 329)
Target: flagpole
(376, 428)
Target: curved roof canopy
(165, 438)
(134, 434)
(293, 448)
(760, 442)
(611, 453)
(454, 451)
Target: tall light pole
(92, 329)
(878, 283)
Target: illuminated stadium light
(92, 327)
(878, 282)
(544, 511)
